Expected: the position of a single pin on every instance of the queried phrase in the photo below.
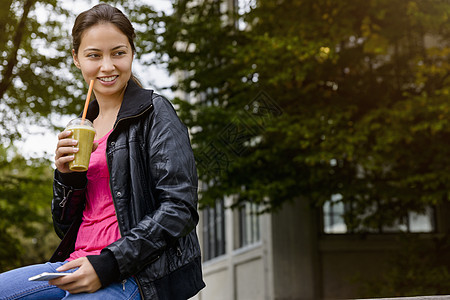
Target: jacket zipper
(109, 171)
(64, 202)
(137, 279)
(112, 194)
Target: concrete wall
(346, 261)
(294, 252)
(239, 274)
(295, 261)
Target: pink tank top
(99, 226)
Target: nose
(107, 65)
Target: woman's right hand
(64, 151)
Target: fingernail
(75, 149)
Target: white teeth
(108, 79)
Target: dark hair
(100, 14)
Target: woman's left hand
(83, 280)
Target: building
(301, 251)
(290, 255)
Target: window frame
(213, 230)
(403, 224)
(247, 224)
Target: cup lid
(78, 122)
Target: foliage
(38, 80)
(26, 229)
(418, 268)
(315, 98)
(34, 55)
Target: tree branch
(7, 74)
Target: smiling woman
(39, 140)
(128, 223)
(104, 54)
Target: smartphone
(47, 276)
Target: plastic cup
(83, 131)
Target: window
(248, 221)
(214, 230)
(333, 215)
(334, 222)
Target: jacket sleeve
(68, 199)
(174, 181)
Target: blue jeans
(14, 284)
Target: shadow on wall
(418, 268)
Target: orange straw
(86, 104)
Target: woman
(128, 223)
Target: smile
(108, 79)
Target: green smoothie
(84, 133)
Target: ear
(75, 59)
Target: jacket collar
(135, 101)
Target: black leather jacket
(153, 183)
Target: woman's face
(105, 55)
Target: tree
(314, 98)
(37, 77)
(26, 224)
(33, 81)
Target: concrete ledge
(446, 297)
